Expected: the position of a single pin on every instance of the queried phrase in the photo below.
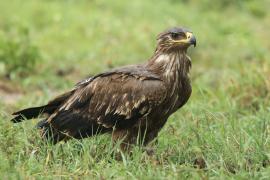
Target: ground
(222, 132)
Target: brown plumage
(131, 103)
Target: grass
(225, 123)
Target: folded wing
(115, 100)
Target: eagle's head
(175, 39)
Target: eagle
(130, 103)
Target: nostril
(188, 36)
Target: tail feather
(30, 113)
(34, 112)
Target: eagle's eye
(177, 36)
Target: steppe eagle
(128, 102)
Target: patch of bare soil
(9, 93)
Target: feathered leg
(132, 136)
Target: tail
(34, 112)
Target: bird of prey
(128, 102)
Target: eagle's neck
(171, 67)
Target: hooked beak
(191, 38)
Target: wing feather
(116, 99)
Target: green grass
(225, 122)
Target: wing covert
(117, 99)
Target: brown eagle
(128, 102)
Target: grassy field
(47, 46)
